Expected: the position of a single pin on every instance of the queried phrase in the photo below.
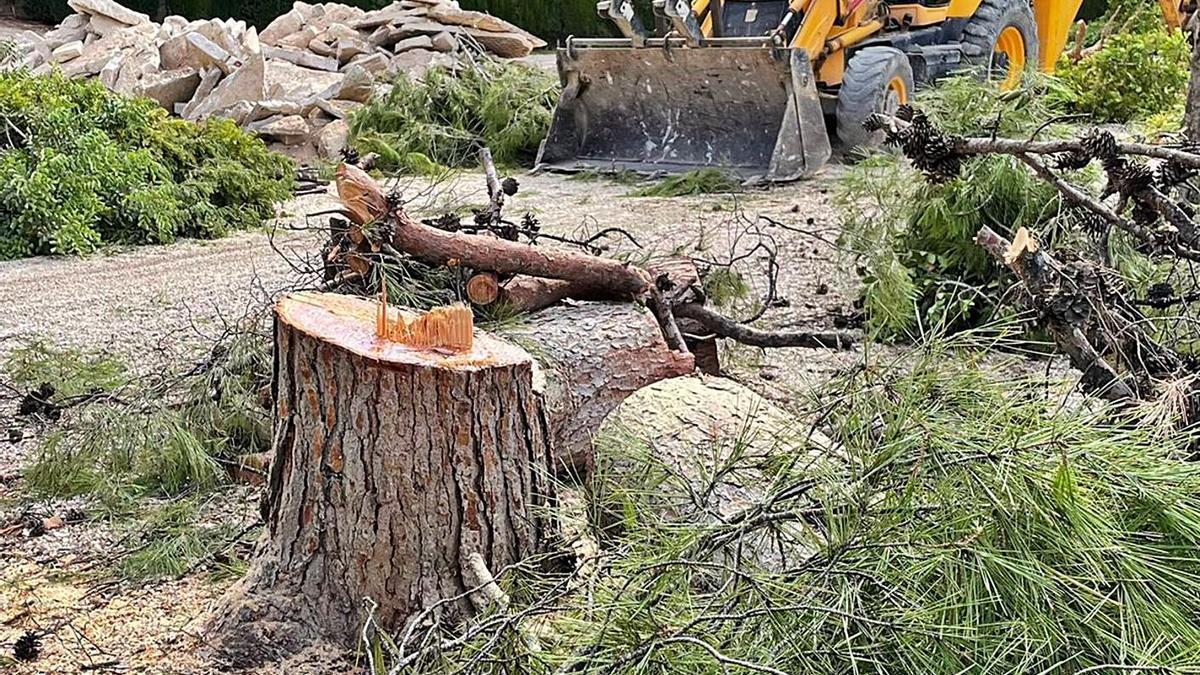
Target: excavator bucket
(734, 104)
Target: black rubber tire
(864, 93)
(992, 17)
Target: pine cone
(1072, 161)
(1172, 174)
(28, 647)
(1160, 291)
(1100, 144)
(510, 186)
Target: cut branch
(1036, 270)
(725, 327)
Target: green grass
(147, 439)
(970, 526)
(699, 182)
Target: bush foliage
(1136, 75)
(81, 167)
(444, 118)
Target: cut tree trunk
(594, 355)
(397, 473)
(409, 477)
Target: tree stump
(396, 471)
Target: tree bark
(395, 472)
(593, 355)
(1192, 123)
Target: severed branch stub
(1085, 308)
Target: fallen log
(540, 277)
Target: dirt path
(171, 297)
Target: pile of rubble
(293, 83)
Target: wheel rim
(894, 96)
(1008, 60)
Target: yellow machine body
(750, 86)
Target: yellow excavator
(756, 88)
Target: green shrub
(443, 119)
(81, 167)
(1134, 76)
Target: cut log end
(443, 338)
(483, 289)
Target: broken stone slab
(287, 129)
(67, 52)
(284, 25)
(110, 9)
(416, 42)
(247, 83)
(447, 14)
(291, 82)
(297, 40)
(220, 32)
(410, 28)
(319, 46)
(333, 139)
(65, 34)
(337, 109)
(103, 26)
(194, 49)
(414, 63)
(348, 48)
(444, 42)
(110, 72)
(129, 41)
(271, 108)
(306, 58)
(308, 11)
(175, 24)
(373, 63)
(357, 84)
(209, 78)
(169, 87)
(336, 14)
(250, 41)
(39, 52)
(504, 45)
(134, 67)
(337, 31)
(392, 14)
